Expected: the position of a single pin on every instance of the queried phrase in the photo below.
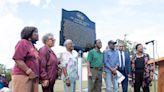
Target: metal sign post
(80, 71)
(154, 67)
(76, 26)
(152, 41)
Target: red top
(26, 52)
(48, 64)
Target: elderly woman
(26, 70)
(142, 72)
(69, 64)
(48, 63)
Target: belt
(97, 68)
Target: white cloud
(139, 2)
(144, 34)
(11, 6)
(35, 2)
(151, 32)
(2, 1)
(5, 7)
(17, 2)
(10, 33)
(130, 2)
(47, 3)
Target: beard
(112, 48)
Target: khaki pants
(95, 82)
(22, 83)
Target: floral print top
(148, 70)
(69, 60)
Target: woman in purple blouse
(48, 64)
(26, 70)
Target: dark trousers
(49, 88)
(138, 82)
(125, 81)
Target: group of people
(33, 66)
(114, 60)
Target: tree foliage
(129, 45)
(7, 72)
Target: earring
(29, 39)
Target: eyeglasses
(52, 39)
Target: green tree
(129, 45)
(7, 72)
(2, 69)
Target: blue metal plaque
(79, 28)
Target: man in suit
(124, 67)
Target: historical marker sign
(78, 27)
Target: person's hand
(68, 83)
(103, 74)
(129, 76)
(133, 65)
(89, 74)
(114, 72)
(111, 69)
(45, 83)
(151, 76)
(32, 75)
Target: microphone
(149, 42)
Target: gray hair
(67, 41)
(46, 37)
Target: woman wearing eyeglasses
(48, 63)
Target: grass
(59, 87)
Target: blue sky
(141, 20)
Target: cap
(112, 42)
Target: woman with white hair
(69, 66)
(48, 63)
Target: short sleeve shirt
(95, 58)
(26, 52)
(69, 61)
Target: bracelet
(28, 71)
